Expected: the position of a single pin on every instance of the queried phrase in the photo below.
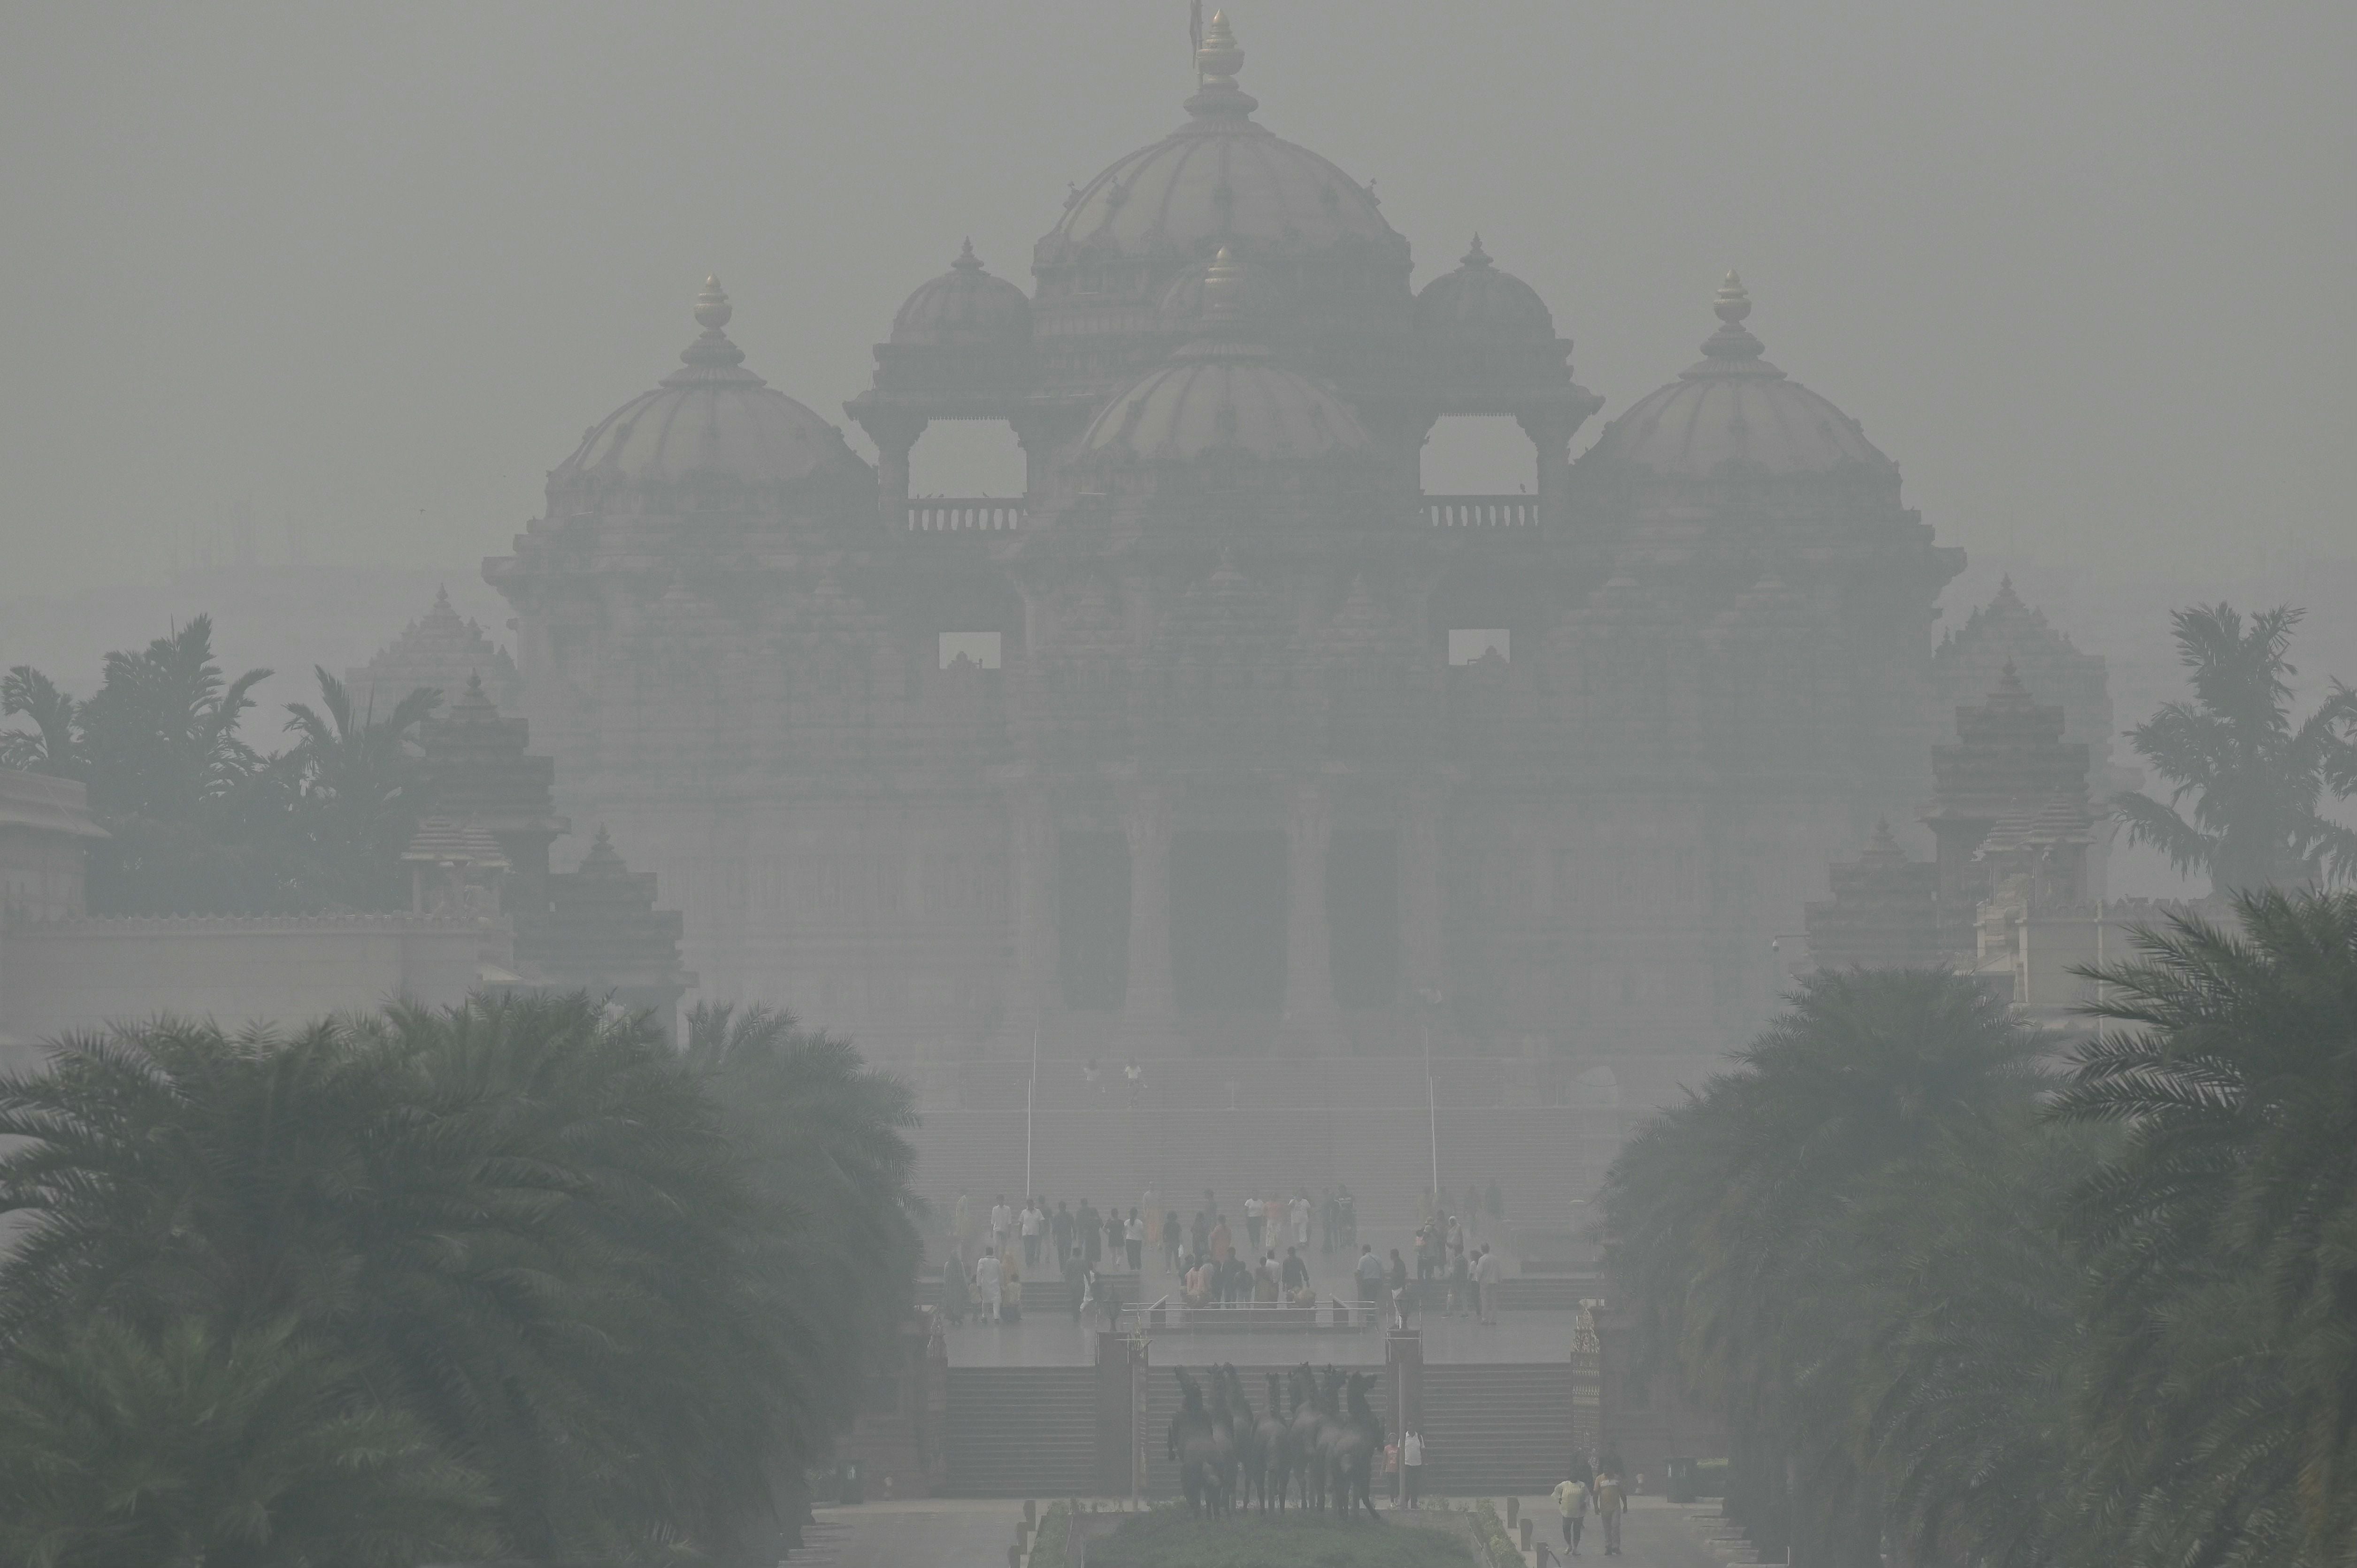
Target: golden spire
(1218, 58)
(711, 307)
(1734, 303)
(1222, 281)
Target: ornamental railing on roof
(1481, 511)
(949, 514)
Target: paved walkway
(956, 1533)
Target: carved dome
(1223, 395)
(711, 418)
(965, 307)
(1221, 180)
(1478, 303)
(1735, 408)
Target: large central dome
(1219, 179)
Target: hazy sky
(363, 274)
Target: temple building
(1226, 738)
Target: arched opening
(1479, 454)
(967, 457)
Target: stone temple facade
(1226, 739)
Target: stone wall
(82, 973)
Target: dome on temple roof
(1478, 303)
(1221, 180)
(1223, 394)
(965, 307)
(1734, 408)
(710, 419)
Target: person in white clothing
(1255, 1212)
(987, 1278)
(1301, 1220)
(1412, 1467)
(1487, 1273)
(1002, 1223)
(1031, 1222)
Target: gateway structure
(1226, 739)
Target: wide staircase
(1021, 1432)
(1496, 1427)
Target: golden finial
(1221, 280)
(1219, 57)
(711, 307)
(1733, 304)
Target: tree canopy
(576, 1293)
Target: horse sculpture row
(1324, 1450)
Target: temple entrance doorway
(1227, 919)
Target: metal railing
(1170, 1316)
(1481, 511)
(950, 514)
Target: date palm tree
(2256, 779)
(516, 1221)
(2224, 1235)
(119, 1450)
(53, 744)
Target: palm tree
(1735, 1213)
(354, 779)
(2223, 1236)
(160, 736)
(835, 1242)
(516, 1221)
(51, 746)
(249, 1451)
(2256, 778)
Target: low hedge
(1490, 1530)
(1055, 1531)
(1169, 1539)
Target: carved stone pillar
(895, 434)
(1550, 431)
(1312, 1022)
(1148, 1005)
(1042, 433)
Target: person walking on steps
(1370, 1271)
(1002, 1225)
(986, 1279)
(1571, 1497)
(1031, 1221)
(1611, 1502)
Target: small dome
(1221, 180)
(1222, 394)
(1478, 303)
(710, 419)
(965, 307)
(1226, 400)
(1734, 407)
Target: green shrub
(1169, 1539)
(1055, 1530)
(1490, 1530)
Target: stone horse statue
(1351, 1458)
(1300, 1460)
(1269, 1434)
(1195, 1448)
(1225, 1446)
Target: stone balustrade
(950, 514)
(1481, 511)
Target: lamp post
(1432, 998)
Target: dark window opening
(1363, 916)
(1093, 918)
(1227, 919)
